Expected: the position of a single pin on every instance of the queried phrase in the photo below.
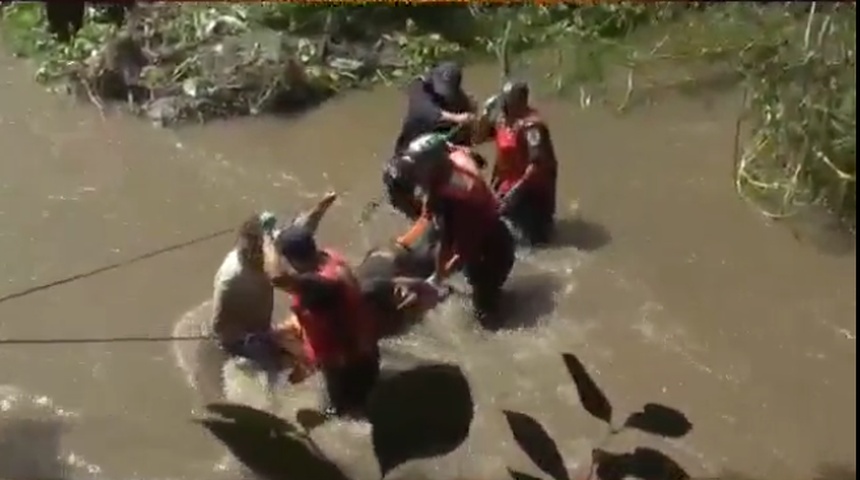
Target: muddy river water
(667, 287)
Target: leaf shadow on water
(419, 413)
(423, 412)
(268, 445)
(645, 463)
(642, 463)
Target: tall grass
(796, 62)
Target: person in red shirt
(525, 173)
(466, 214)
(338, 329)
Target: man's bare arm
(311, 219)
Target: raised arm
(311, 219)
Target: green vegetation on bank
(796, 142)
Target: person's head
(298, 247)
(514, 99)
(249, 243)
(427, 157)
(446, 79)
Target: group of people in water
(460, 222)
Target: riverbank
(181, 62)
(186, 62)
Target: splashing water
(31, 446)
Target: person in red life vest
(339, 333)
(471, 231)
(525, 173)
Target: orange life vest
(511, 155)
(460, 157)
(346, 330)
(475, 209)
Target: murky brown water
(692, 300)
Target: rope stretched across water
(128, 339)
(106, 268)
(114, 266)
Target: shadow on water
(419, 413)
(526, 299)
(579, 233)
(644, 463)
(30, 449)
(267, 445)
(823, 472)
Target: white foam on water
(499, 366)
(192, 323)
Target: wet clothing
(339, 332)
(413, 255)
(263, 348)
(424, 114)
(348, 386)
(242, 301)
(332, 313)
(489, 272)
(529, 207)
(471, 227)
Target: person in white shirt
(244, 296)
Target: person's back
(432, 99)
(243, 300)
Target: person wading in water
(339, 331)
(243, 297)
(526, 170)
(436, 103)
(465, 211)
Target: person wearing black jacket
(436, 103)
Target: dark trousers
(348, 386)
(531, 217)
(488, 273)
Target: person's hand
(407, 297)
(463, 118)
(490, 106)
(329, 198)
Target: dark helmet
(446, 80)
(514, 92)
(296, 244)
(425, 152)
